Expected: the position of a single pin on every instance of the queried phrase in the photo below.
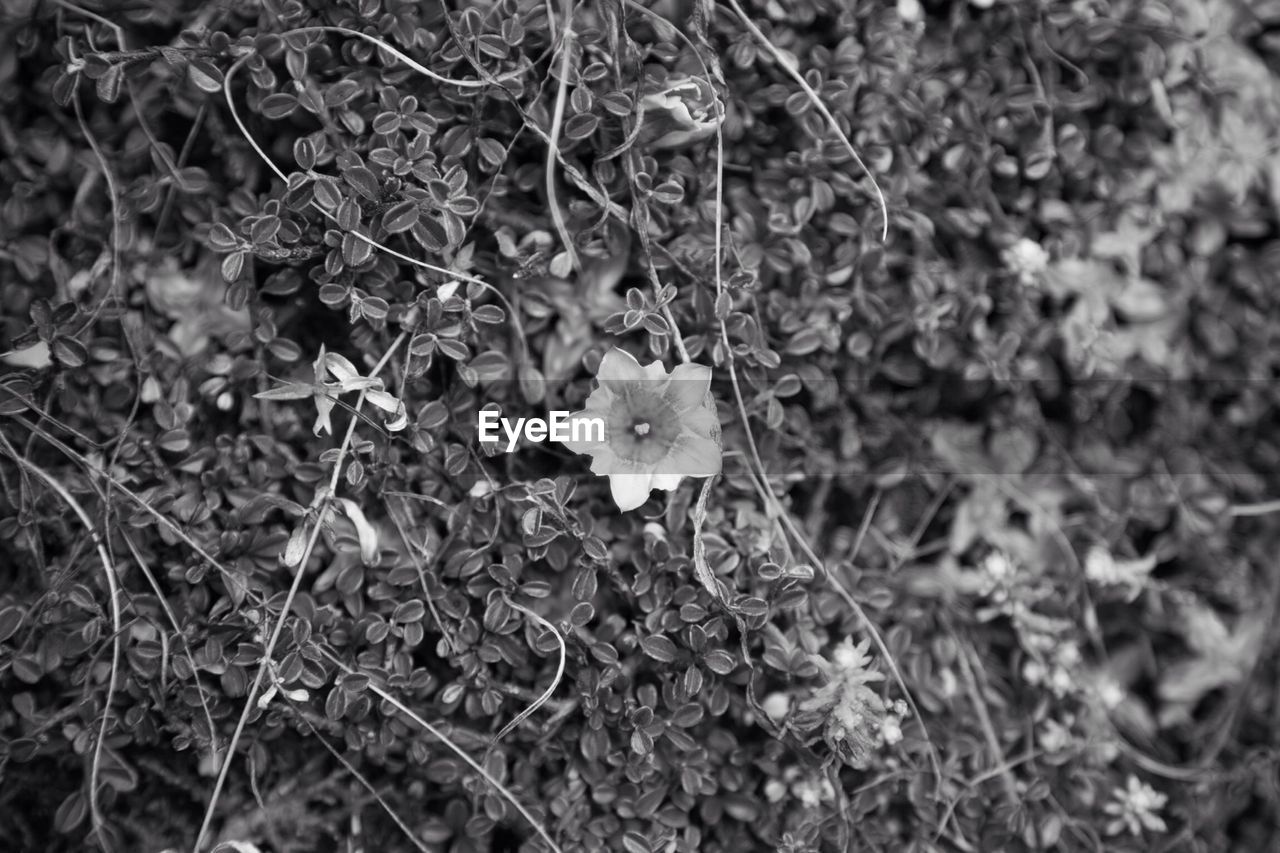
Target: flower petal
(692, 457)
(601, 399)
(656, 371)
(667, 482)
(702, 422)
(603, 461)
(581, 425)
(689, 386)
(618, 365)
(630, 491)
(324, 407)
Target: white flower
(1061, 682)
(890, 730)
(852, 710)
(1136, 807)
(1109, 691)
(1067, 654)
(998, 566)
(812, 791)
(948, 684)
(659, 427)
(1026, 257)
(1054, 736)
(1101, 567)
(774, 791)
(1033, 672)
(846, 657)
(807, 793)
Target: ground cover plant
(964, 542)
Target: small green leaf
(581, 126)
(279, 105)
(69, 352)
(232, 266)
(719, 661)
(659, 648)
(363, 181)
(205, 75)
(109, 84)
(401, 217)
(291, 391)
(456, 350)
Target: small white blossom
(1101, 567)
(1033, 672)
(890, 730)
(1026, 257)
(1109, 691)
(1136, 807)
(774, 791)
(1061, 682)
(812, 791)
(998, 565)
(846, 657)
(808, 794)
(1054, 736)
(948, 684)
(852, 710)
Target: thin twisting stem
(95, 810)
(553, 145)
(318, 525)
(471, 762)
(817, 103)
(551, 688)
(253, 143)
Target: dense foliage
(990, 565)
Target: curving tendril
(314, 175)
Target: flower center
(642, 427)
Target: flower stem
(676, 338)
(285, 609)
(1251, 510)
